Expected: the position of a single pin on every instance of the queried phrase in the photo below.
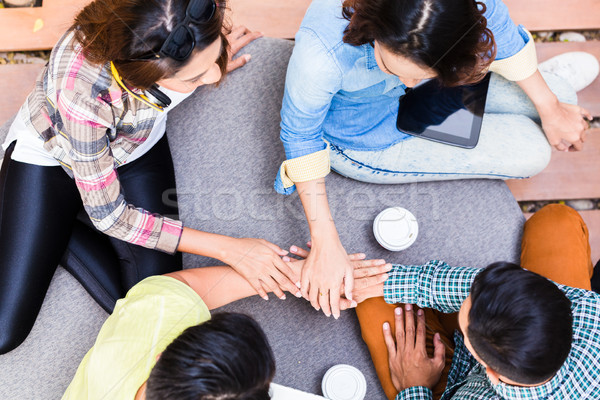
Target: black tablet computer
(447, 115)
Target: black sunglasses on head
(181, 42)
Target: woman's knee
(560, 88)
(539, 159)
(519, 141)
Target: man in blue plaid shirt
(520, 336)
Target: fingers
(305, 286)
(269, 285)
(237, 31)
(367, 268)
(349, 282)
(241, 36)
(357, 256)
(312, 295)
(586, 114)
(284, 276)
(239, 62)
(561, 147)
(275, 248)
(324, 302)
(439, 353)
(421, 330)
(298, 251)
(409, 325)
(364, 283)
(335, 304)
(346, 304)
(576, 146)
(258, 287)
(400, 332)
(389, 340)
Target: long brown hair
(450, 37)
(121, 30)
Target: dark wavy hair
(119, 30)
(520, 323)
(225, 358)
(450, 37)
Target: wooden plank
(16, 24)
(16, 82)
(275, 18)
(548, 15)
(592, 220)
(568, 176)
(590, 96)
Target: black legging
(42, 224)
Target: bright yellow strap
(520, 66)
(306, 168)
(141, 98)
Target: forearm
(536, 88)
(217, 286)
(204, 243)
(313, 195)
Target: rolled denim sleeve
(516, 57)
(313, 78)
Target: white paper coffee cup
(344, 382)
(396, 228)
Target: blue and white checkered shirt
(442, 287)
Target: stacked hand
(368, 278)
(260, 262)
(409, 363)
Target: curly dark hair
(450, 37)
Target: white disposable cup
(344, 382)
(396, 228)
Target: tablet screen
(447, 115)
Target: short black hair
(520, 323)
(225, 358)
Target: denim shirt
(336, 91)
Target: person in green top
(161, 343)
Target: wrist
(324, 233)
(547, 105)
(222, 248)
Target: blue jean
(511, 145)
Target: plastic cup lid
(396, 228)
(344, 382)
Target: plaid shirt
(74, 107)
(444, 288)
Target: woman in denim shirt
(352, 61)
